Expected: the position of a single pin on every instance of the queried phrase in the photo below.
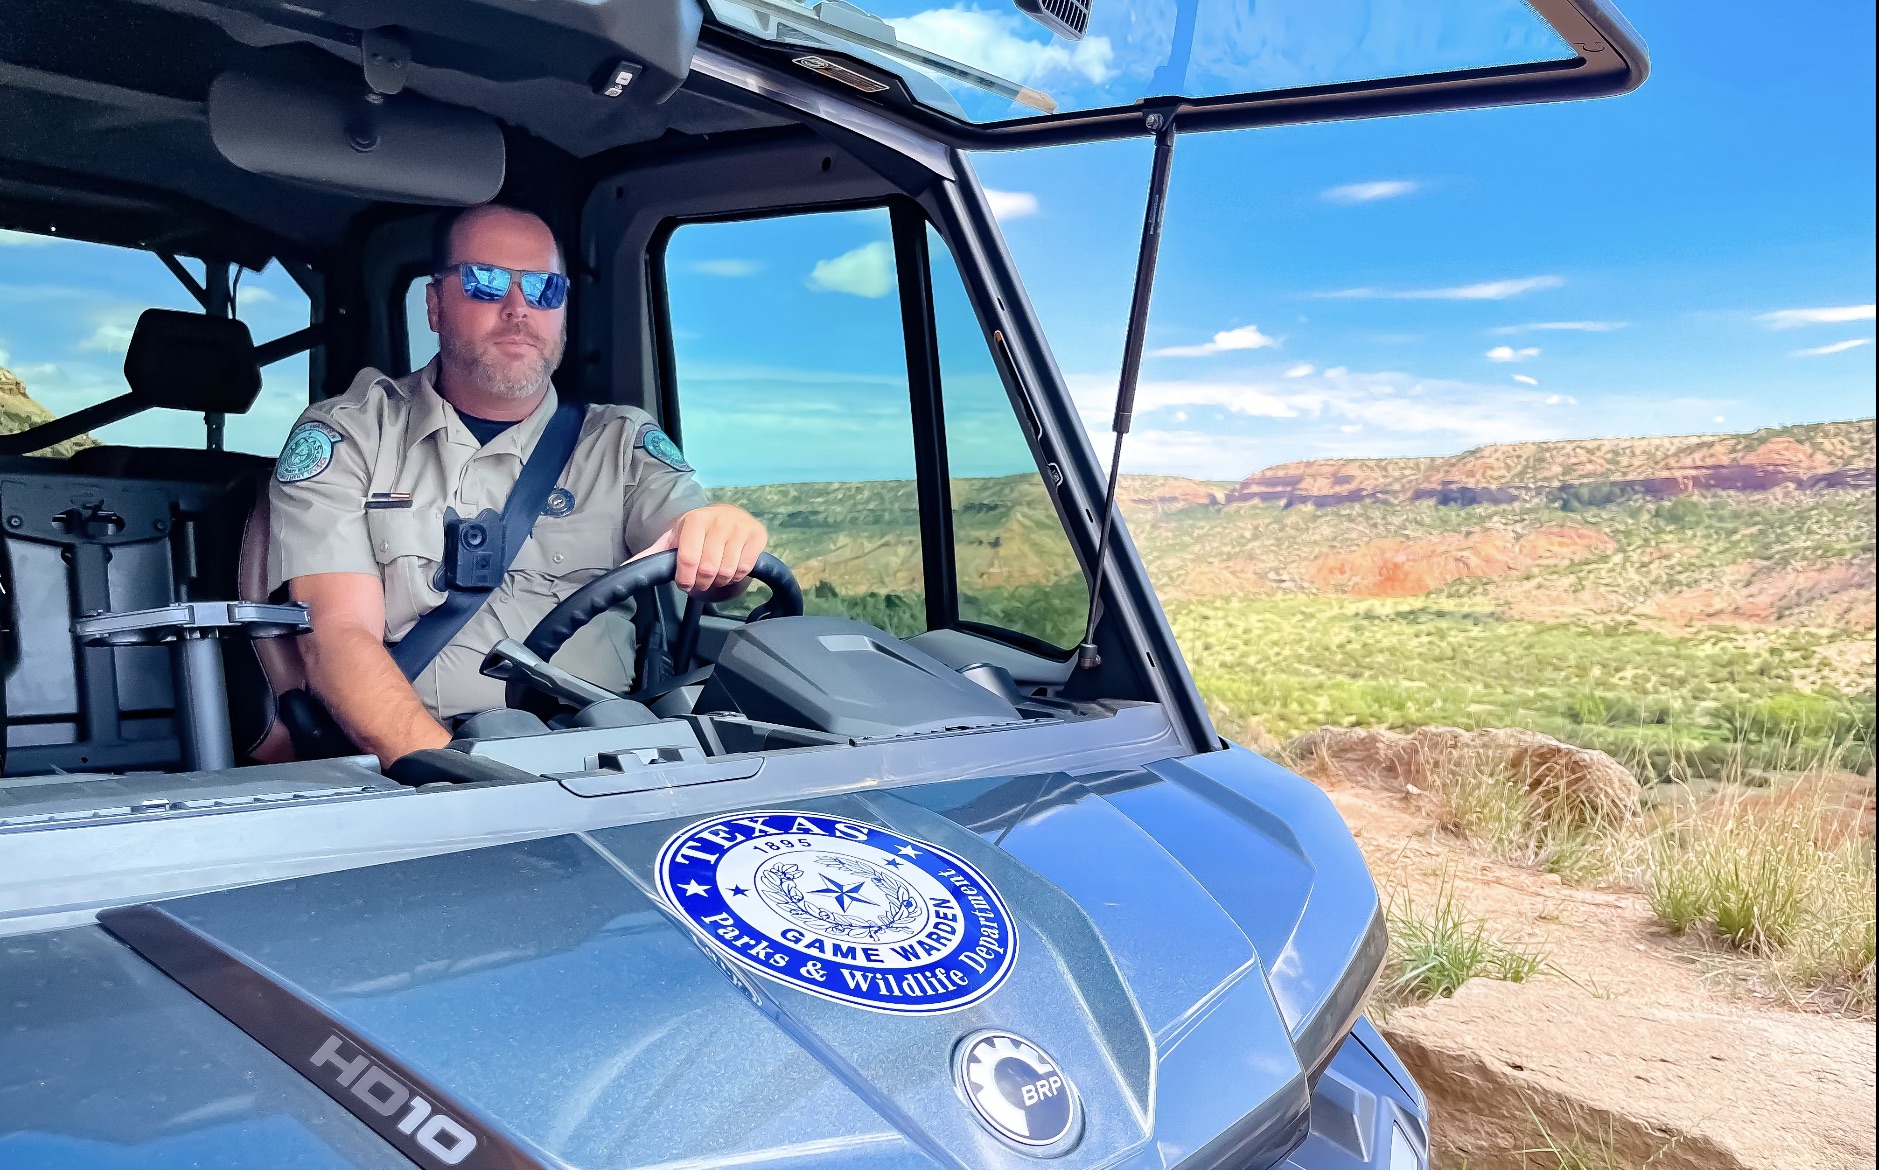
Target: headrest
(187, 361)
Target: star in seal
(842, 895)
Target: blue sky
(1681, 227)
(66, 314)
(1693, 257)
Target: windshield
(985, 62)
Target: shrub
(1437, 948)
(1490, 805)
(1584, 497)
(1760, 882)
(1681, 512)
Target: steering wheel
(613, 587)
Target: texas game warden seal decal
(842, 909)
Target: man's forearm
(355, 677)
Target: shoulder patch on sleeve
(308, 451)
(660, 446)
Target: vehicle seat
(121, 528)
(258, 729)
(229, 560)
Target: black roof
(105, 131)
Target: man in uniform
(360, 491)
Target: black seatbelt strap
(540, 472)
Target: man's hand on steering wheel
(617, 585)
(717, 545)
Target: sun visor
(400, 147)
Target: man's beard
(499, 377)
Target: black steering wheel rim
(617, 585)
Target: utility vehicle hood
(1192, 940)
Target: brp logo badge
(1017, 1091)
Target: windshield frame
(1611, 60)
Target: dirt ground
(1644, 1049)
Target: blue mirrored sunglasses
(488, 282)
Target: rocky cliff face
(1818, 456)
(1165, 493)
(1394, 567)
(19, 412)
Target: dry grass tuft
(1436, 947)
(1759, 880)
(1498, 808)
(1582, 1146)
(1769, 879)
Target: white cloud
(5, 357)
(1011, 204)
(1491, 290)
(1528, 380)
(110, 336)
(1836, 347)
(1200, 454)
(1351, 193)
(997, 42)
(13, 239)
(868, 271)
(726, 267)
(1560, 326)
(1833, 315)
(1718, 418)
(65, 387)
(256, 295)
(1096, 399)
(1301, 370)
(1400, 411)
(1225, 341)
(1507, 353)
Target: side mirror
(400, 147)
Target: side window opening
(1015, 568)
(272, 305)
(790, 372)
(69, 308)
(791, 378)
(420, 342)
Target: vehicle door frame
(623, 355)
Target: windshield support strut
(1162, 124)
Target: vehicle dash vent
(1069, 19)
(852, 78)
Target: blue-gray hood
(1195, 937)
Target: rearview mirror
(400, 147)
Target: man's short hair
(447, 223)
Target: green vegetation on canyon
(1700, 607)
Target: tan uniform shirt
(386, 437)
